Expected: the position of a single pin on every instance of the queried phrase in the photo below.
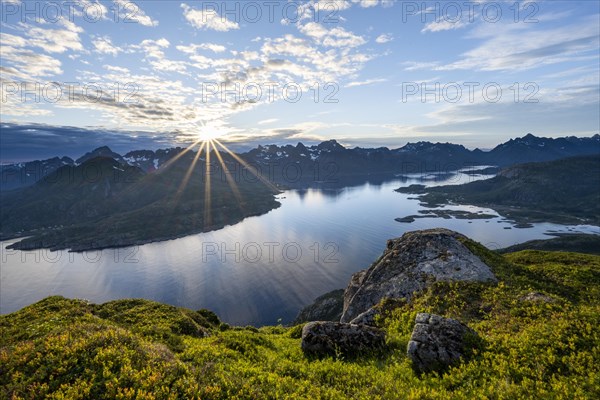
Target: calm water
(259, 271)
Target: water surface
(261, 270)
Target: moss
(63, 348)
(295, 332)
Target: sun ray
(190, 170)
(178, 156)
(248, 167)
(207, 194)
(230, 180)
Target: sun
(210, 132)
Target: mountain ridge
(412, 157)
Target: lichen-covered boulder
(437, 342)
(412, 263)
(327, 307)
(325, 338)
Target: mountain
(561, 191)
(330, 162)
(530, 148)
(538, 324)
(103, 203)
(149, 160)
(13, 176)
(333, 164)
(69, 195)
(103, 151)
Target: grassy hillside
(575, 242)
(561, 191)
(545, 345)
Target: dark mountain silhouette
(103, 203)
(13, 176)
(302, 166)
(103, 151)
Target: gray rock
(327, 307)
(382, 309)
(412, 263)
(537, 297)
(367, 317)
(323, 338)
(437, 342)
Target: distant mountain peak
(100, 160)
(103, 151)
(301, 146)
(330, 145)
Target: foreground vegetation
(545, 345)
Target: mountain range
(330, 162)
(104, 199)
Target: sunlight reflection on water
(261, 269)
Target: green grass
(61, 348)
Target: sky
(155, 74)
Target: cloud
(104, 45)
(116, 69)
(384, 38)
(26, 64)
(573, 109)
(156, 56)
(192, 48)
(267, 121)
(331, 5)
(366, 82)
(316, 65)
(335, 37)
(13, 105)
(93, 9)
(131, 12)
(54, 40)
(373, 3)
(366, 3)
(208, 19)
(416, 65)
(523, 46)
(20, 60)
(29, 141)
(442, 25)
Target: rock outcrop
(412, 263)
(327, 307)
(537, 297)
(325, 338)
(437, 342)
(366, 318)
